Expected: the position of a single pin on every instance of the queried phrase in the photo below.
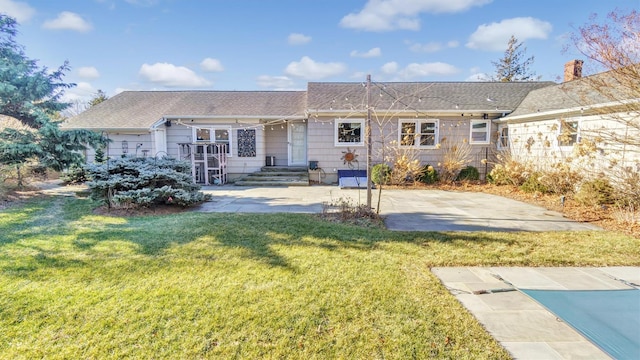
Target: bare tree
(611, 47)
(78, 106)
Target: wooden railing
(208, 162)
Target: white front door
(297, 143)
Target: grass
(246, 286)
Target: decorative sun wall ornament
(349, 156)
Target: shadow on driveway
(403, 210)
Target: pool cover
(608, 318)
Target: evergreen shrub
(381, 174)
(469, 173)
(144, 182)
(75, 175)
(428, 175)
(534, 184)
(595, 192)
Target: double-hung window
(421, 133)
(214, 135)
(569, 133)
(503, 137)
(480, 131)
(349, 132)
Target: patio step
(285, 169)
(276, 176)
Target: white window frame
(417, 128)
(487, 131)
(577, 133)
(503, 137)
(336, 134)
(212, 130)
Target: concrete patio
(403, 210)
(525, 328)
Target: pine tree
(32, 95)
(99, 155)
(98, 97)
(513, 66)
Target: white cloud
(478, 77)
(387, 15)
(375, 52)
(298, 39)
(88, 72)
(19, 10)
(81, 92)
(415, 70)
(418, 71)
(359, 75)
(68, 20)
(211, 65)
(429, 47)
(308, 69)
(390, 67)
(275, 82)
(495, 36)
(169, 75)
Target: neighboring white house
(551, 122)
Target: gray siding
(276, 143)
(384, 134)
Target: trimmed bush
(533, 184)
(561, 179)
(144, 182)
(469, 173)
(428, 175)
(508, 171)
(381, 174)
(75, 175)
(595, 192)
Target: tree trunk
(19, 171)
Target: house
(229, 134)
(601, 113)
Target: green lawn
(246, 286)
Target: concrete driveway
(404, 210)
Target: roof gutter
(460, 112)
(166, 118)
(108, 129)
(577, 110)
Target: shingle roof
(421, 96)
(141, 109)
(573, 94)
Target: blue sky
(117, 45)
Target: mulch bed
(125, 212)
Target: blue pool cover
(608, 318)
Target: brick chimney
(573, 70)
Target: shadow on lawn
(256, 236)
